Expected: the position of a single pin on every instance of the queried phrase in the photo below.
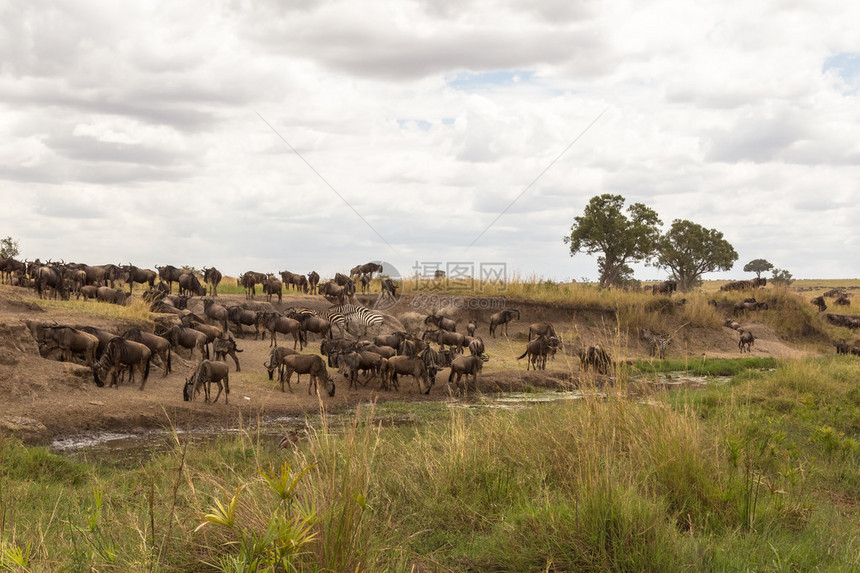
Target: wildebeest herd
(209, 333)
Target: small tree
(604, 228)
(781, 277)
(689, 250)
(757, 266)
(9, 248)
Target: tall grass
(137, 310)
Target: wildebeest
(334, 346)
(313, 281)
(502, 318)
(441, 322)
(846, 320)
(297, 281)
(384, 351)
(465, 366)
(249, 280)
(749, 304)
(111, 295)
(596, 357)
(477, 348)
(118, 354)
(311, 364)
(352, 362)
(240, 318)
(88, 292)
(274, 323)
(472, 327)
(743, 285)
(333, 292)
(208, 372)
(368, 268)
(50, 277)
(272, 287)
(746, 340)
(137, 275)
(104, 337)
(314, 324)
(212, 277)
(276, 361)
(537, 351)
(158, 346)
(819, 302)
(843, 300)
(665, 287)
(169, 274)
(222, 346)
(541, 329)
(393, 340)
(842, 346)
(216, 313)
(72, 341)
(187, 338)
(435, 360)
(454, 340)
(408, 366)
(189, 284)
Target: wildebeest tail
(146, 370)
(169, 367)
(99, 383)
(523, 356)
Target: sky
(300, 135)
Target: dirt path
(45, 399)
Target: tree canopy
(621, 238)
(758, 266)
(9, 248)
(689, 250)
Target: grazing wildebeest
(72, 341)
(274, 323)
(158, 345)
(409, 366)
(465, 366)
(311, 364)
(50, 277)
(103, 335)
(502, 318)
(190, 285)
(88, 292)
(389, 288)
(819, 302)
(537, 351)
(842, 346)
(334, 346)
(846, 320)
(368, 268)
(472, 327)
(136, 275)
(212, 277)
(351, 363)
(313, 281)
(441, 322)
(749, 304)
(843, 300)
(169, 274)
(241, 317)
(333, 292)
(216, 313)
(208, 372)
(455, 340)
(541, 329)
(118, 354)
(276, 361)
(595, 357)
(272, 287)
(222, 346)
(665, 287)
(746, 340)
(187, 338)
(111, 295)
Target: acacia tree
(9, 248)
(758, 266)
(689, 250)
(622, 238)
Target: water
(138, 445)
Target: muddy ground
(46, 399)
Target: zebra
(359, 315)
(335, 318)
(657, 343)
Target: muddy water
(135, 446)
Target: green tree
(622, 238)
(781, 277)
(690, 250)
(9, 248)
(757, 266)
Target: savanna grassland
(757, 470)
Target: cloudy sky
(321, 134)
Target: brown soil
(45, 399)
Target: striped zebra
(657, 343)
(335, 318)
(359, 315)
